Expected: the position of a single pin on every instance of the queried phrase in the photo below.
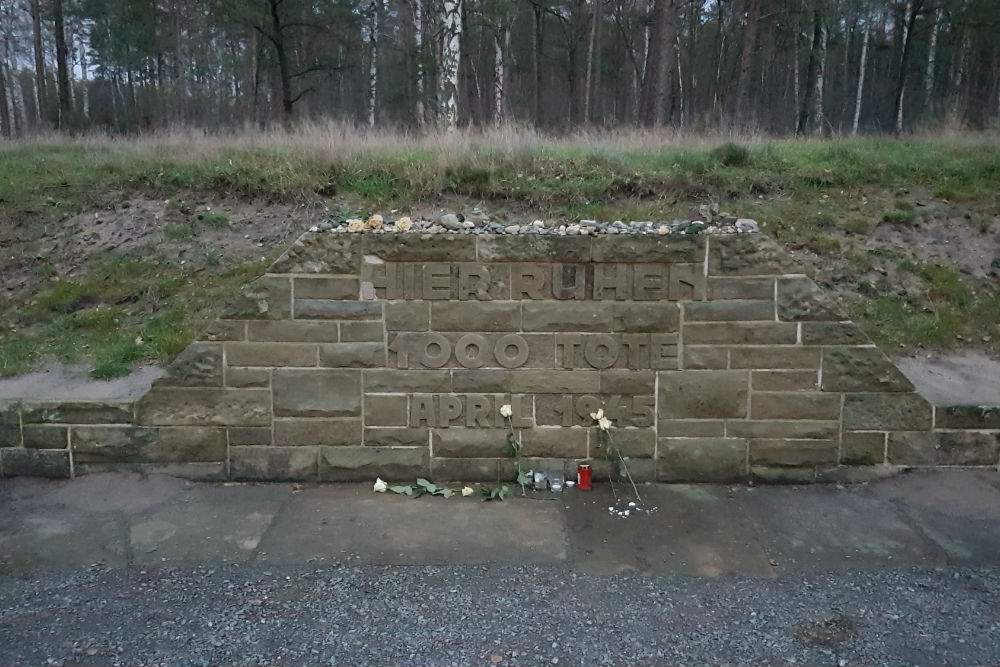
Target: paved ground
(118, 569)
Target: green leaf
(447, 493)
(408, 490)
(427, 486)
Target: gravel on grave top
(450, 223)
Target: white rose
(355, 225)
(404, 224)
(375, 221)
(380, 486)
(467, 491)
(604, 423)
(597, 416)
(506, 411)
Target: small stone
(314, 228)
(747, 225)
(662, 229)
(573, 230)
(468, 224)
(512, 229)
(450, 221)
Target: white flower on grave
(506, 411)
(380, 486)
(467, 491)
(375, 222)
(597, 416)
(404, 224)
(355, 225)
(604, 423)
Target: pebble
(450, 221)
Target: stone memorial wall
(364, 354)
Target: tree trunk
(861, 79)
(451, 53)
(536, 67)
(820, 123)
(752, 8)
(811, 112)
(373, 30)
(904, 47)
(418, 47)
(931, 62)
(588, 76)
(41, 98)
(62, 67)
(501, 45)
(657, 83)
(5, 125)
(284, 75)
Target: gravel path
(492, 615)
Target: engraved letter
(435, 350)
(451, 409)
(471, 350)
(511, 351)
(649, 282)
(663, 351)
(569, 281)
(611, 281)
(422, 410)
(437, 281)
(601, 350)
(477, 411)
(528, 281)
(637, 350)
(567, 346)
(473, 282)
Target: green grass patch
(214, 219)
(17, 356)
(899, 217)
(179, 231)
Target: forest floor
(116, 252)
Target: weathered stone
(352, 355)
(728, 311)
(327, 288)
(703, 394)
(103, 444)
(267, 298)
(325, 309)
(390, 380)
(822, 430)
(701, 357)
(862, 448)
(784, 380)
(566, 316)
(291, 331)
(832, 333)
(624, 248)
(198, 365)
(534, 248)
(782, 475)
(420, 247)
(775, 356)
(691, 428)
(739, 333)
(273, 463)
(701, 459)
(197, 472)
(740, 288)
(793, 453)
(321, 253)
(480, 380)
(800, 300)
(856, 474)
(169, 406)
(473, 470)
(747, 255)
(899, 411)
(250, 435)
(343, 464)
(687, 282)
(407, 315)
(627, 382)
(913, 448)
(554, 382)
(968, 416)
(311, 432)
(861, 369)
(476, 316)
(397, 437)
(10, 435)
(633, 443)
(358, 332)
(554, 442)
(221, 330)
(34, 463)
(470, 442)
(247, 378)
(45, 436)
(271, 354)
(647, 317)
(89, 412)
(386, 410)
(794, 405)
(957, 448)
(317, 393)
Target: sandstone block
(45, 436)
(782, 475)
(968, 416)
(887, 411)
(168, 406)
(291, 331)
(554, 442)
(832, 333)
(325, 309)
(797, 429)
(247, 378)
(863, 448)
(703, 357)
(222, 330)
(703, 394)
(273, 463)
(34, 463)
(728, 311)
(641, 470)
(794, 405)
(352, 355)
(321, 253)
(327, 288)
(740, 288)
(267, 298)
(271, 354)
(420, 247)
(397, 437)
(198, 365)
(390, 380)
(407, 316)
(89, 412)
(792, 453)
(554, 382)
(957, 448)
(474, 470)
(739, 333)
(358, 332)
(476, 316)
(480, 380)
(534, 248)
(566, 316)
(781, 380)
(691, 428)
(648, 249)
(633, 443)
(702, 459)
(913, 448)
(250, 435)
(627, 382)
(861, 369)
(687, 282)
(317, 393)
(775, 356)
(312, 432)
(470, 442)
(800, 300)
(131, 444)
(386, 410)
(647, 317)
(342, 464)
(747, 255)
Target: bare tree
(811, 112)
(657, 83)
(752, 11)
(906, 30)
(861, 76)
(62, 67)
(451, 53)
(41, 100)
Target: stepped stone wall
(386, 354)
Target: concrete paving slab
(124, 492)
(222, 523)
(828, 528)
(350, 523)
(959, 510)
(696, 530)
(61, 539)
